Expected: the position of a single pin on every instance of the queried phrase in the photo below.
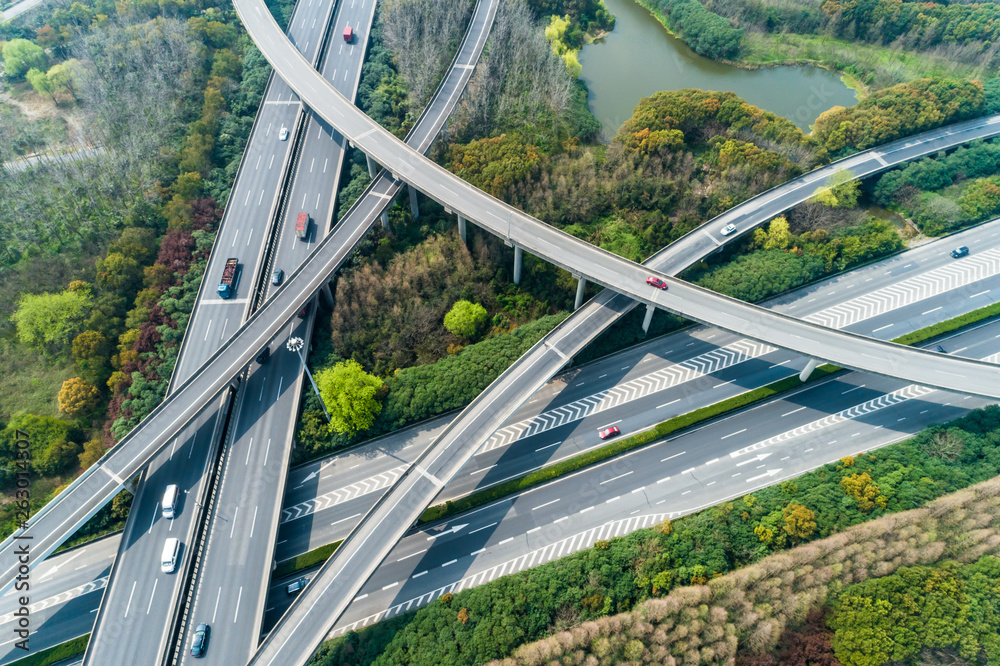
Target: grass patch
(26, 385)
(56, 653)
(949, 326)
(872, 65)
(305, 560)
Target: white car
(728, 229)
(283, 134)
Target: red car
(609, 432)
(656, 282)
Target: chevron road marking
(887, 400)
(855, 412)
(959, 274)
(530, 559)
(704, 364)
(61, 598)
(341, 495)
(880, 301)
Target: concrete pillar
(372, 167)
(461, 229)
(327, 295)
(385, 220)
(808, 370)
(517, 265)
(413, 201)
(648, 318)
(581, 284)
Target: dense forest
(103, 255)
(845, 521)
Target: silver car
(728, 229)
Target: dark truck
(228, 281)
(302, 225)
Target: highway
(88, 493)
(925, 264)
(236, 558)
(132, 455)
(320, 495)
(121, 634)
(299, 632)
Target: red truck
(228, 277)
(348, 34)
(302, 225)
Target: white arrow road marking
(456, 528)
(768, 473)
(757, 458)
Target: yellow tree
(77, 397)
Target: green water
(640, 57)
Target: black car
(277, 276)
(296, 586)
(264, 355)
(960, 252)
(199, 642)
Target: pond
(640, 57)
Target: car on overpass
(728, 229)
(960, 252)
(656, 282)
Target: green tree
(841, 190)
(61, 77)
(777, 236)
(92, 452)
(466, 319)
(20, 56)
(351, 395)
(47, 323)
(40, 82)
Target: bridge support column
(461, 229)
(327, 295)
(385, 220)
(413, 201)
(372, 166)
(517, 264)
(648, 319)
(581, 284)
(808, 370)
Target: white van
(170, 496)
(168, 561)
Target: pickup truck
(228, 281)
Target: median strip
(56, 653)
(677, 423)
(305, 560)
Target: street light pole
(295, 345)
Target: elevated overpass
(299, 632)
(79, 501)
